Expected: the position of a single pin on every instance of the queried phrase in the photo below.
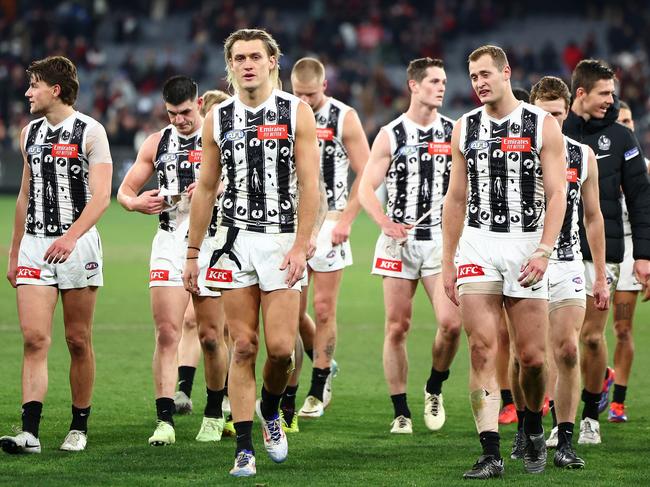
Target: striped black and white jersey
(505, 184)
(567, 246)
(418, 176)
(177, 164)
(258, 161)
(59, 158)
(334, 160)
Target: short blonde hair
(497, 54)
(308, 68)
(211, 98)
(550, 88)
(272, 49)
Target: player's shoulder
(88, 120)
(393, 123)
(529, 107)
(446, 120)
(339, 104)
(473, 113)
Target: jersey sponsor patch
(272, 132)
(470, 270)
(27, 273)
(325, 133)
(235, 134)
(159, 275)
(194, 156)
(515, 144)
(440, 148)
(388, 265)
(478, 145)
(65, 150)
(633, 152)
(572, 175)
(218, 275)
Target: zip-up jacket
(620, 165)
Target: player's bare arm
(595, 229)
(307, 172)
(20, 215)
(371, 178)
(553, 160)
(100, 173)
(203, 199)
(356, 145)
(453, 215)
(148, 202)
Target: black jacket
(620, 165)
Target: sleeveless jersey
(418, 176)
(567, 247)
(505, 190)
(334, 161)
(58, 158)
(177, 163)
(259, 168)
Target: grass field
(350, 445)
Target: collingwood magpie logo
(604, 143)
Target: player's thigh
(241, 307)
(280, 316)
(624, 306)
(210, 314)
(529, 323)
(398, 301)
(564, 325)
(168, 304)
(447, 313)
(481, 315)
(35, 310)
(78, 310)
(326, 288)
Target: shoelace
(275, 430)
(243, 459)
(74, 437)
(435, 405)
(402, 421)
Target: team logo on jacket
(604, 143)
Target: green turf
(350, 445)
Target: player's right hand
(449, 277)
(398, 231)
(311, 250)
(149, 203)
(12, 271)
(191, 276)
(600, 290)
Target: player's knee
(189, 323)
(209, 342)
(592, 341)
(623, 331)
(279, 352)
(35, 343)
(167, 335)
(397, 330)
(480, 352)
(450, 327)
(79, 344)
(244, 349)
(531, 359)
(567, 355)
(323, 309)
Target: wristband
(194, 248)
(191, 258)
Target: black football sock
(243, 430)
(31, 416)
(434, 384)
(165, 409)
(490, 441)
(80, 419)
(619, 393)
(213, 404)
(400, 405)
(506, 397)
(186, 379)
(590, 409)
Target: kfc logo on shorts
(272, 132)
(218, 275)
(65, 150)
(325, 133)
(515, 144)
(389, 265)
(440, 148)
(572, 175)
(159, 275)
(470, 270)
(194, 156)
(28, 273)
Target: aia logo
(218, 275)
(159, 275)
(28, 273)
(91, 266)
(470, 270)
(389, 265)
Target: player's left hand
(311, 250)
(191, 276)
(295, 262)
(642, 274)
(190, 189)
(341, 232)
(532, 271)
(60, 249)
(600, 289)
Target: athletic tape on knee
(292, 363)
(485, 407)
